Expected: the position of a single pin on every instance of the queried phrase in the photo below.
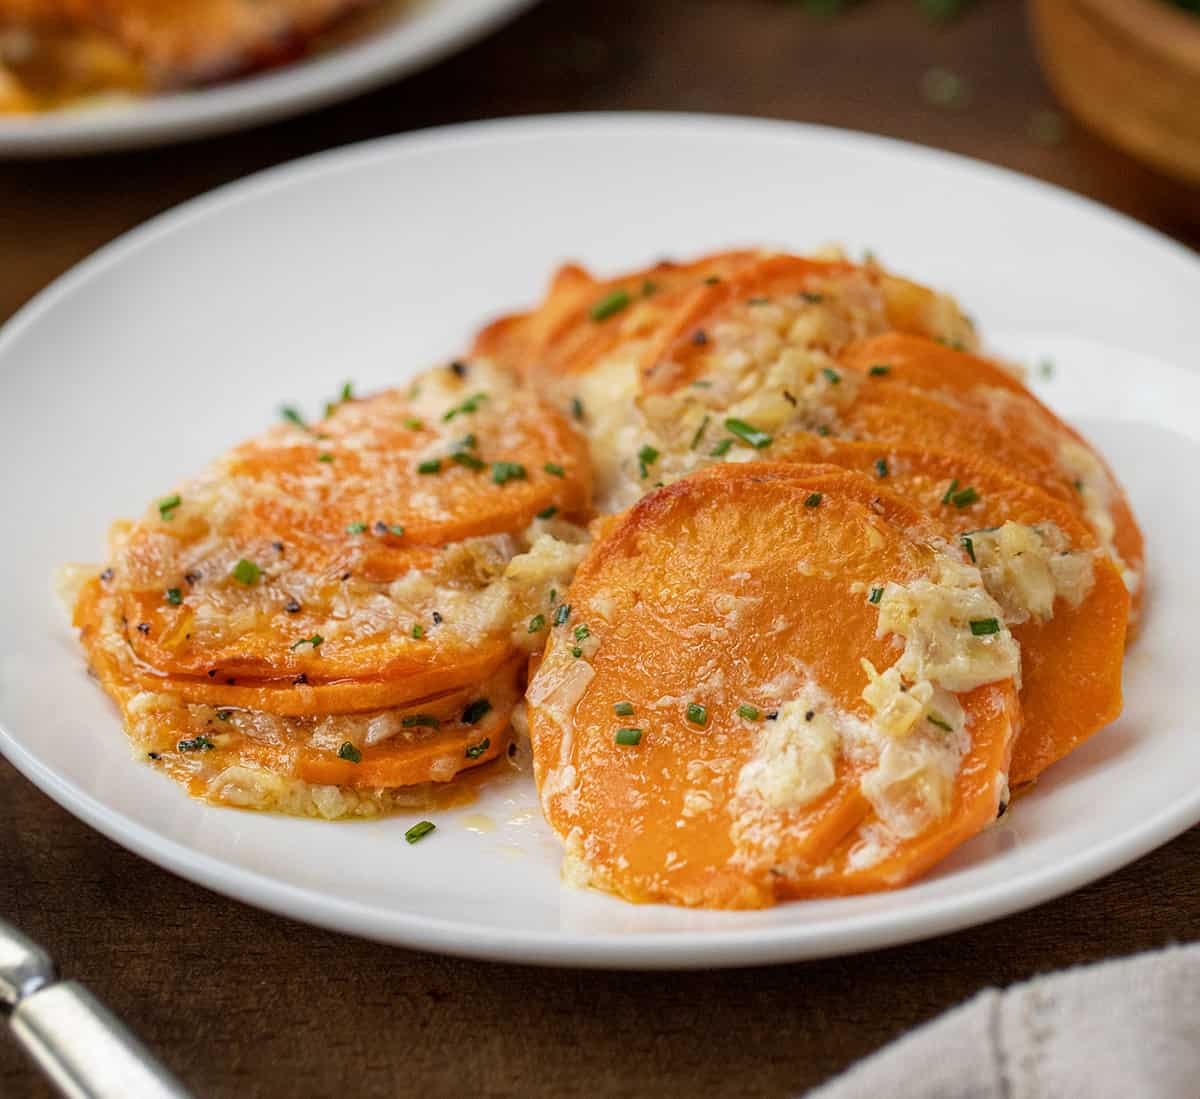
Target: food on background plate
(55, 52)
(816, 583)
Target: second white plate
(372, 262)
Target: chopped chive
(697, 714)
(879, 369)
(981, 627)
(700, 431)
(939, 721)
(314, 642)
(548, 513)
(811, 297)
(950, 491)
(609, 305)
(348, 752)
(476, 750)
(721, 449)
(831, 375)
(356, 528)
(174, 596)
(430, 465)
(562, 614)
(582, 633)
(325, 456)
(466, 458)
(166, 508)
(468, 441)
(750, 713)
(396, 529)
(649, 288)
(964, 498)
(471, 404)
(1078, 486)
(537, 622)
(881, 468)
(628, 737)
(246, 572)
(413, 424)
(553, 596)
(554, 469)
(969, 545)
(748, 434)
(576, 652)
(876, 595)
(822, 430)
(577, 408)
(476, 710)
(503, 472)
(418, 631)
(419, 830)
(647, 456)
(293, 417)
(196, 744)
(813, 500)
(623, 709)
(413, 720)
(224, 715)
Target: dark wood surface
(241, 1003)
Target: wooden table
(244, 1004)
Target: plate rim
(414, 41)
(925, 918)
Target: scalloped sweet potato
(699, 728)
(1071, 650)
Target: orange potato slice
(1071, 661)
(275, 547)
(998, 395)
(582, 318)
(744, 585)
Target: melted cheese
(934, 617)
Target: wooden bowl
(1130, 70)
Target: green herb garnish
(964, 498)
(413, 720)
(554, 469)
(196, 744)
(476, 750)
(881, 468)
(623, 709)
(697, 714)
(721, 449)
(418, 632)
(969, 545)
(419, 830)
(548, 513)
(750, 435)
(939, 721)
(950, 491)
(628, 737)
(981, 627)
(166, 508)
(700, 431)
(348, 752)
(831, 375)
(503, 472)
(293, 417)
(879, 369)
(430, 465)
(537, 622)
(174, 596)
(314, 642)
(562, 614)
(466, 458)
(356, 528)
(647, 456)
(813, 501)
(246, 572)
(875, 596)
(609, 305)
(750, 713)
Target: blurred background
(965, 75)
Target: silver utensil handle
(85, 1049)
(76, 1041)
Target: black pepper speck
(106, 575)
(143, 627)
(459, 368)
(292, 607)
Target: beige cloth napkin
(1128, 1029)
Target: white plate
(370, 262)
(420, 33)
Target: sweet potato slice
(999, 396)
(582, 318)
(1071, 658)
(746, 590)
(295, 554)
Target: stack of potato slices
(335, 612)
(802, 585)
(865, 581)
